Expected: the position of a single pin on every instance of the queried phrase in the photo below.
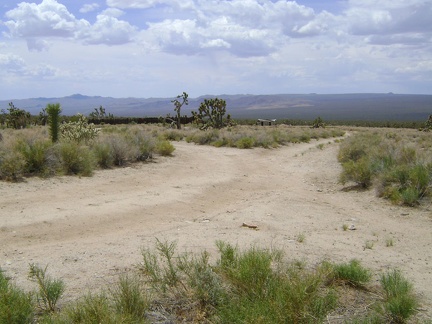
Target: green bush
(76, 158)
(141, 143)
(129, 299)
(173, 135)
(262, 290)
(400, 172)
(36, 153)
(15, 305)
(50, 290)
(203, 137)
(359, 171)
(400, 302)
(121, 150)
(103, 155)
(12, 165)
(164, 148)
(91, 309)
(245, 143)
(352, 273)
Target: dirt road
(89, 230)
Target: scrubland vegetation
(83, 148)
(250, 286)
(398, 165)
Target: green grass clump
(15, 305)
(400, 301)
(262, 290)
(76, 158)
(245, 143)
(399, 167)
(206, 137)
(103, 155)
(164, 148)
(253, 286)
(50, 290)
(37, 153)
(12, 165)
(241, 286)
(352, 273)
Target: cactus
(79, 131)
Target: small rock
(352, 227)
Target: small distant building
(266, 122)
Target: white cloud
(113, 12)
(35, 23)
(390, 18)
(44, 71)
(49, 18)
(145, 4)
(416, 67)
(89, 7)
(37, 45)
(229, 46)
(12, 63)
(108, 30)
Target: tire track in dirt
(91, 229)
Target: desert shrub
(79, 130)
(245, 143)
(91, 309)
(103, 155)
(262, 290)
(50, 290)
(305, 138)
(75, 158)
(141, 143)
(203, 137)
(243, 287)
(125, 302)
(173, 135)
(37, 155)
(400, 171)
(128, 299)
(250, 286)
(406, 184)
(121, 149)
(353, 273)
(400, 302)
(15, 305)
(356, 147)
(358, 171)
(164, 148)
(12, 165)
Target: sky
(160, 48)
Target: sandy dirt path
(89, 230)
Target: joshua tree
(318, 123)
(428, 124)
(15, 117)
(178, 104)
(211, 113)
(53, 111)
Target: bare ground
(89, 230)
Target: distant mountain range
(360, 106)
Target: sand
(90, 230)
